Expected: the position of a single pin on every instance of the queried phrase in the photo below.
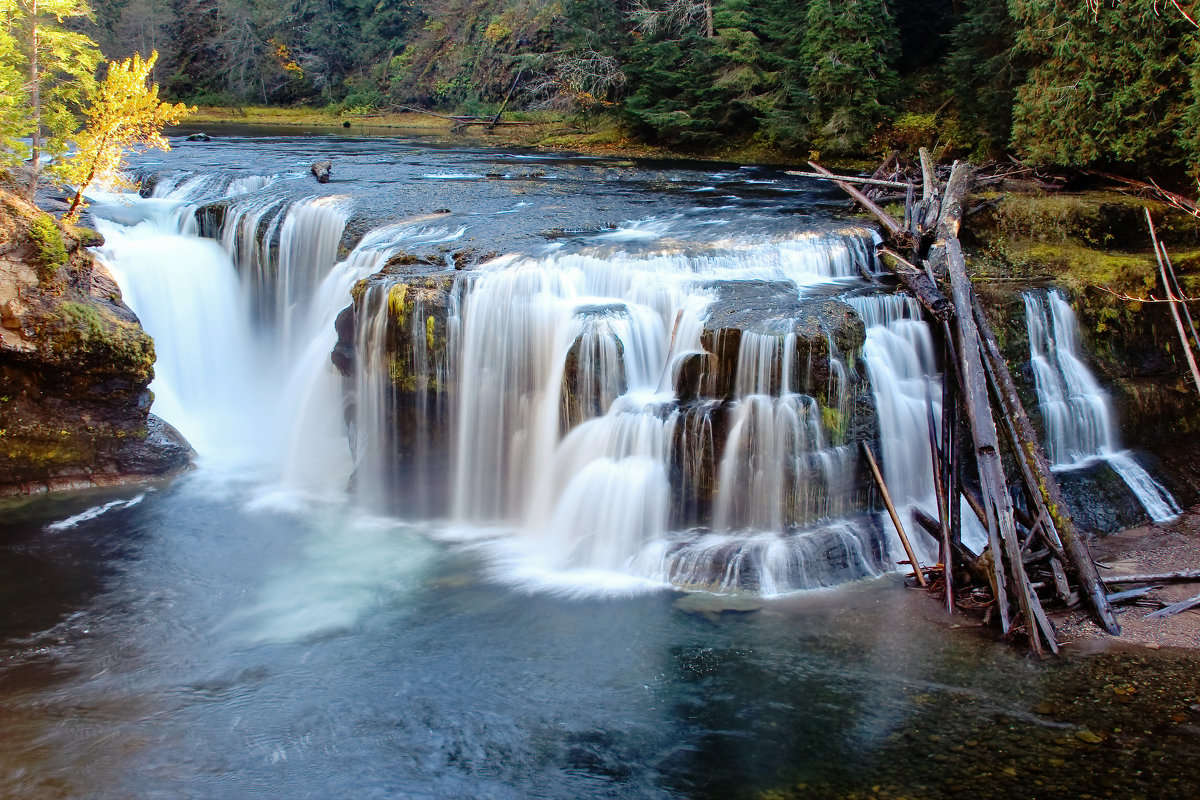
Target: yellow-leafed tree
(125, 115)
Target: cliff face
(74, 366)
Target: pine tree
(1109, 87)
(124, 115)
(848, 51)
(60, 66)
(985, 69)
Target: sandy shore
(1168, 547)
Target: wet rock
(199, 137)
(321, 170)
(75, 365)
(393, 343)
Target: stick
(1182, 576)
(887, 501)
(1177, 608)
(940, 495)
(848, 179)
(1131, 594)
(1187, 347)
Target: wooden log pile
(1035, 556)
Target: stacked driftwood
(1035, 555)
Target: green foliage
(49, 250)
(848, 51)
(60, 64)
(985, 69)
(1109, 87)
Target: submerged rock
(74, 367)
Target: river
(248, 630)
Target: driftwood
(976, 381)
(1176, 608)
(824, 176)
(1182, 576)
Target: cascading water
(667, 403)
(1079, 426)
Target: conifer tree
(60, 66)
(848, 51)
(1110, 86)
(985, 69)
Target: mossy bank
(75, 365)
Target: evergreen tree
(59, 65)
(985, 68)
(1109, 87)
(848, 51)
(781, 23)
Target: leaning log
(1002, 529)
(1033, 460)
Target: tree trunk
(35, 160)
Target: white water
(1078, 420)
(900, 358)
(567, 441)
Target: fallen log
(1182, 576)
(920, 285)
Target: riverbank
(1142, 550)
(593, 135)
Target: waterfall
(185, 291)
(1076, 415)
(900, 358)
(583, 406)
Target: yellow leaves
(125, 114)
(283, 56)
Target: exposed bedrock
(74, 368)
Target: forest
(1075, 83)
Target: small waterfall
(905, 378)
(1078, 420)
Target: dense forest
(1112, 83)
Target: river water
(246, 631)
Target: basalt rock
(74, 367)
(398, 401)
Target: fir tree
(1110, 87)
(848, 50)
(985, 68)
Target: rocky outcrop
(74, 367)
(399, 387)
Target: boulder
(75, 365)
(321, 170)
